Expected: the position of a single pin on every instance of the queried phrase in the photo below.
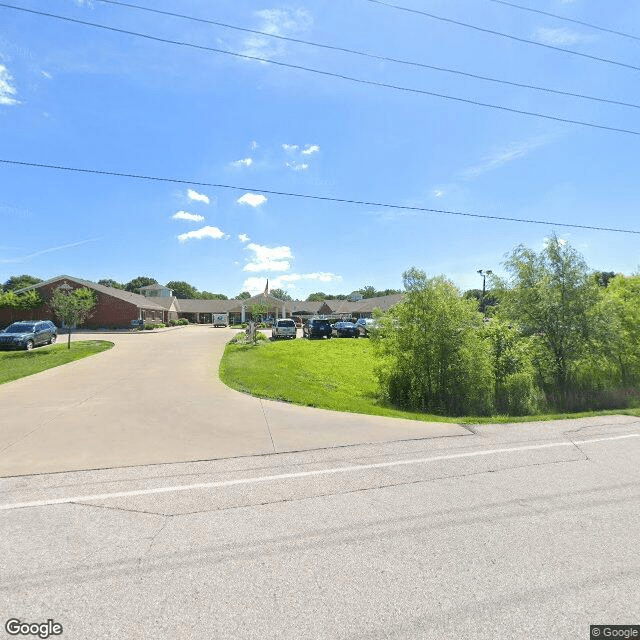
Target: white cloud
(269, 258)
(268, 265)
(245, 162)
(7, 90)
(252, 199)
(290, 147)
(46, 74)
(44, 251)
(505, 155)
(185, 215)
(561, 36)
(243, 237)
(297, 166)
(277, 22)
(197, 197)
(263, 253)
(204, 232)
(438, 193)
(254, 145)
(310, 149)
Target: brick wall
(108, 311)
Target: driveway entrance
(156, 398)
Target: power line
(306, 196)
(504, 35)
(287, 65)
(573, 20)
(367, 54)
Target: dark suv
(28, 334)
(316, 328)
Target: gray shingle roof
(134, 298)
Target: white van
(284, 328)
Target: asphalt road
(522, 531)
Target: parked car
(283, 328)
(365, 325)
(345, 330)
(27, 334)
(316, 328)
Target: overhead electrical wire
(287, 65)
(502, 34)
(307, 196)
(367, 54)
(558, 17)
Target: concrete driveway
(156, 398)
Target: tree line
(558, 337)
(184, 290)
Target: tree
(245, 295)
(20, 282)
(114, 284)
(141, 281)
(72, 307)
(183, 290)
(621, 303)
(368, 292)
(281, 294)
(552, 295)
(319, 296)
(206, 295)
(25, 301)
(432, 357)
(604, 277)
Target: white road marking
(303, 474)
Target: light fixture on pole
(484, 275)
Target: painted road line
(305, 474)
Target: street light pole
(484, 275)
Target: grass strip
(18, 364)
(335, 374)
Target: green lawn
(18, 364)
(333, 374)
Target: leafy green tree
(258, 311)
(20, 282)
(141, 281)
(72, 307)
(621, 303)
(183, 290)
(281, 294)
(114, 284)
(604, 277)
(431, 355)
(368, 292)
(206, 295)
(245, 295)
(319, 296)
(552, 295)
(20, 302)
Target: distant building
(116, 308)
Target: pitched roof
(187, 305)
(133, 298)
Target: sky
(78, 96)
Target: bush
(518, 395)
(182, 321)
(157, 325)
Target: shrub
(156, 325)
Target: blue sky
(82, 97)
